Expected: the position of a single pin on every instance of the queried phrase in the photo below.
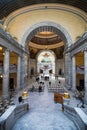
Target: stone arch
(47, 51)
(46, 26)
(58, 29)
(52, 58)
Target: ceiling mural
(46, 40)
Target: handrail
(77, 116)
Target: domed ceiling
(17, 23)
(8, 6)
(45, 39)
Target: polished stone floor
(44, 114)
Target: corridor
(44, 114)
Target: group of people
(40, 88)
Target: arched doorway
(66, 40)
(46, 63)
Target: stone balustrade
(77, 116)
(8, 119)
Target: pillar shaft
(73, 74)
(6, 75)
(68, 71)
(23, 71)
(18, 72)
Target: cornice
(79, 42)
(7, 37)
(79, 45)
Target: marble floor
(44, 114)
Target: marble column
(26, 70)
(28, 65)
(23, 71)
(85, 75)
(68, 71)
(73, 74)
(56, 67)
(6, 75)
(18, 72)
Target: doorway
(46, 63)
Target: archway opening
(48, 46)
(34, 40)
(46, 64)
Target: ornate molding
(47, 26)
(8, 42)
(79, 45)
